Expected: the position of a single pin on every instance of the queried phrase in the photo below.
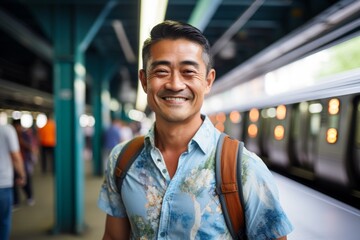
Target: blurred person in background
(112, 137)
(10, 160)
(26, 149)
(126, 131)
(47, 138)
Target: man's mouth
(175, 99)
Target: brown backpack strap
(229, 153)
(128, 154)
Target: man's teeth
(175, 99)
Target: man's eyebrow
(189, 62)
(157, 63)
(167, 63)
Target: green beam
(97, 25)
(203, 12)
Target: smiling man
(169, 190)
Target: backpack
(227, 174)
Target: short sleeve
(264, 216)
(12, 139)
(110, 200)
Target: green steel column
(69, 74)
(79, 106)
(97, 113)
(101, 74)
(64, 115)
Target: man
(26, 149)
(169, 191)
(10, 160)
(47, 137)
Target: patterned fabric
(186, 206)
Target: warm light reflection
(221, 117)
(252, 130)
(331, 135)
(235, 117)
(254, 115)
(281, 112)
(334, 106)
(279, 132)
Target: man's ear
(142, 77)
(210, 80)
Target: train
(311, 134)
(317, 139)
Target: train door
(279, 142)
(332, 163)
(252, 131)
(234, 125)
(305, 133)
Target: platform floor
(314, 215)
(37, 222)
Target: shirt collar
(203, 137)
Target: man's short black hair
(176, 30)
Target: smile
(175, 99)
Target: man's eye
(189, 72)
(161, 72)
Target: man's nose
(176, 82)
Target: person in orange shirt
(47, 137)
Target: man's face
(175, 80)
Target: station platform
(314, 215)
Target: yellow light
(279, 132)
(152, 12)
(281, 112)
(254, 115)
(252, 130)
(221, 117)
(334, 106)
(331, 135)
(235, 117)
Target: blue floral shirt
(187, 206)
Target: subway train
(317, 141)
(311, 135)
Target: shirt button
(164, 171)
(162, 234)
(159, 160)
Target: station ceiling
(237, 31)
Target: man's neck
(175, 135)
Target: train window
(304, 106)
(281, 112)
(334, 106)
(254, 115)
(315, 123)
(264, 113)
(279, 132)
(252, 130)
(235, 117)
(315, 108)
(271, 112)
(331, 135)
